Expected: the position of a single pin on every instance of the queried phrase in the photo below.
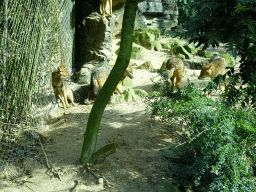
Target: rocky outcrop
(96, 41)
(95, 33)
(170, 13)
(162, 14)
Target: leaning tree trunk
(122, 62)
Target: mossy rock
(206, 54)
(84, 76)
(127, 82)
(145, 37)
(156, 45)
(229, 60)
(147, 65)
(181, 56)
(191, 48)
(210, 54)
(176, 49)
(166, 45)
(155, 32)
(130, 94)
(140, 92)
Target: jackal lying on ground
(100, 75)
(217, 65)
(174, 68)
(103, 4)
(60, 86)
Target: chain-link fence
(36, 36)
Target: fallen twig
(52, 171)
(30, 188)
(88, 168)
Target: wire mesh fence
(36, 36)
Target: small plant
(221, 138)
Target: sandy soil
(139, 165)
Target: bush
(222, 139)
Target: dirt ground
(139, 165)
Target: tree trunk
(123, 59)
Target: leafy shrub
(231, 23)
(222, 139)
(186, 10)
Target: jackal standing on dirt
(216, 66)
(103, 4)
(174, 68)
(100, 75)
(60, 86)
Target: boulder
(177, 48)
(146, 37)
(157, 46)
(96, 38)
(162, 14)
(131, 94)
(147, 65)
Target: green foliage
(232, 23)
(221, 139)
(186, 11)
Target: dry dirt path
(138, 166)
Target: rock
(171, 13)
(153, 6)
(84, 75)
(156, 45)
(127, 82)
(146, 37)
(210, 54)
(191, 48)
(181, 56)
(162, 14)
(229, 60)
(96, 41)
(166, 45)
(147, 65)
(195, 62)
(80, 188)
(177, 48)
(130, 94)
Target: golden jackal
(60, 86)
(100, 75)
(103, 4)
(217, 65)
(174, 68)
